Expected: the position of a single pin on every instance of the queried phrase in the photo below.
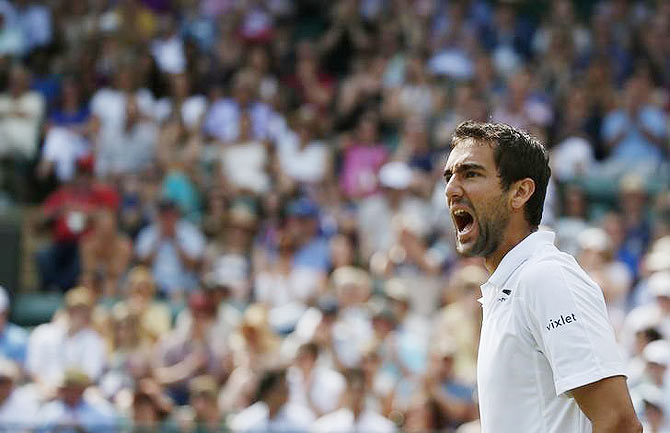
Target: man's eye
(470, 174)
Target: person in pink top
(363, 157)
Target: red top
(71, 206)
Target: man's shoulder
(552, 269)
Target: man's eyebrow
(462, 167)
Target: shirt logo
(506, 292)
(563, 320)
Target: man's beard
(490, 230)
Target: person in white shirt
(73, 411)
(69, 342)
(18, 405)
(353, 415)
(548, 360)
(174, 248)
(312, 385)
(272, 412)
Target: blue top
(13, 343)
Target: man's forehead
(469, 151)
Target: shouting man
(548, 361)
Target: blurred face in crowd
(367, 130)
(79, 316)
(144, 411)
(6, 387)
(341, 251)
(70, 94)
(168, 219)
(477, 202)
(72, 394)
(18, 80)
(180, 86)
(204, 406)
(105, 223)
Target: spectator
(72, 410)
(128, 357)
(203, 392)
(184, 354)
(636, 133)
(21, 113)
(353, 414)
(311, 385)
(68, 211)
(128, 149)
(66, 343)
(18, 405)
(303, 157)
(173, 248)
(459, 320)
(363, 157)
(68, 134)
(378, 214)
(154, 316)
(149, 408)
(454, 398)
(223, 120)
(272, 411)
(105, 254)
(13, 338)
(244, 160)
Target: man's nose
(453, 190)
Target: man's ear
(522, 190)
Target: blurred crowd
(245, 204)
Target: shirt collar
(515, 257)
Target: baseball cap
(75, 377)
(303, 207)
(395, 175)
(79, 297)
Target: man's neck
(508, 242)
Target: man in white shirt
(354, 416)
(272, 412)
(69, 342)
(548, 360)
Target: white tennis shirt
(545, 332)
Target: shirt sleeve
(567, 317)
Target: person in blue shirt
(13, 338)
(313, 249)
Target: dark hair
(312, 349)
(517, 155)
(269, 382)
(354, 376)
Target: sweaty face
(477, 203)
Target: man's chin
(465, 250)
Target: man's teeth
(460, 212)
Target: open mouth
(464, 220)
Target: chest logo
(561, 321)
(506, 292)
